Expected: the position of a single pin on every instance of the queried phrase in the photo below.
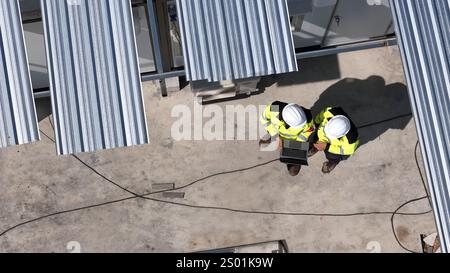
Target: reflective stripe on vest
(294, 137)
(342, 147)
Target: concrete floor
(380, 177)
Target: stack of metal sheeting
(423, 29)
(236, 39)
(94, 75)
(18, 123)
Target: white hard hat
(294, 116)
(337, 127)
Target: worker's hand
(280, 143)
(321, 146)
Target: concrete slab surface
(369, 84)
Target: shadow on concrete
(43, 108)
(373, 106)
(233, 99)
(310, 70)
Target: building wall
(337, 22)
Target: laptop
(295, 152)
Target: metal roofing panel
(423, 28)
(94, 75)
(235, 39)
(18, 123)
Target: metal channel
(94, 74)
(347, 48)
(235, 39)
(423, 30)
(153, 24)
(300, 56)
(18, 122)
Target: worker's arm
(266, 121)
(321, 134)
(321, 146)
(265, 118)
(322, 141)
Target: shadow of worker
(373, 106)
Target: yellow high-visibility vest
(276, 126)
(348, 144)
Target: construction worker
(289, 122)
(336, 135)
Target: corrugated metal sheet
(423, 28)
(94, 75)
(235, 39)
(18, 123)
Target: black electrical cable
(285, 213)
(412, 201)
(145, 196)
(393, 224)
(421, 177)
(384, 121)
(300, 214)
(63, 212)
(163, 191)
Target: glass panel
(144, 45)
(34, 38)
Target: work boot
(312, 151)
(328, 167)
(294, 170)
(265, 142)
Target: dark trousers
(334, 158)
